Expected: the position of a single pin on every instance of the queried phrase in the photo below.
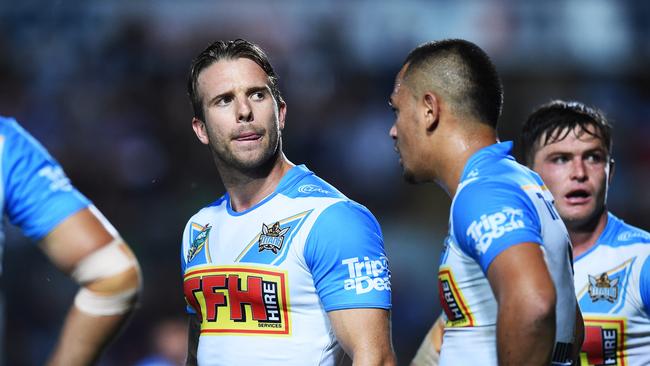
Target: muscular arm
(526, 299)
(364, 334)
(84, 335)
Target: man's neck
(585, 236)
(246, 189)
(461, 148)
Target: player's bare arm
(428, 353)
(526, 296)
(364, 334)
(89, 249)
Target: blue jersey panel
(486, 225)
(38, 195)
(345, 253)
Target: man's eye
(559, 159)
(594, 158)
(224, 101)
(257, 95)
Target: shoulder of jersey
(503, 172)
(627, 234)
(216, 205)
(313, 187)
(9, 125)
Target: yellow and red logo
(604, 342)
(239, 300)
(452, 300)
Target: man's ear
(200, 130)
(611, 170)
(431, 111)
(282, 114)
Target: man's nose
(244, 111)
(393, 132)
(578, 171)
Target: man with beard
(570, 145)
(283, 269)
(505, 276)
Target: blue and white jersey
(612, 282)
(499, 203)
(262, 281)
(35, 194)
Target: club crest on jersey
(272, 237)
(198, 242)
(603, 288)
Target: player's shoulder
(495, 183)
(209, 210)
(334, 208)
(306, 184)
(619, 233)
(9, 126)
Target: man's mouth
(248, 136)
(578, 196)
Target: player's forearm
(99, 311)
(525, 333)
(84, 337)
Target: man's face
(242, 120)
(404, 131)
(576, 171)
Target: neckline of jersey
(288, 180)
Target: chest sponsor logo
(272, 237)
(239, 300)
(604, 342)
(603, 288)
(489, 227)
(452, 300)
(367, 274)
(200, 237)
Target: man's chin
(410, 177)
(581, 220)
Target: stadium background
(102, 85)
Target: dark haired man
(570, 145)
(505, 274)
(283, 269)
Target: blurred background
(102, 85)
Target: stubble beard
(256, 166)
(584, 223)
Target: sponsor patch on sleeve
(366, 274)
(493, 226)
